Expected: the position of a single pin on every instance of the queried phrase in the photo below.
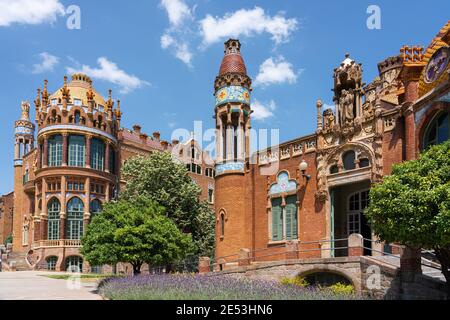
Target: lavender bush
(196, 287)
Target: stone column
(63, 213)
(108, 192)
(240, 143)
(45, 151)
(88, 151)
(230, 140)
(319, 115)
(107, 156)
(65, 149)
(355, 245)
(204, 265)
(219, 139)
(410, 134)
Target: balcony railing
(56, 244)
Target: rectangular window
(277, 220)
(291, 218)
(97, 154)
(55, 146)
(210, 195)
(77, 151)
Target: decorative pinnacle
(319, 103)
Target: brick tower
(24, 143)
(232, 114)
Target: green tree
(412, 206)
(166, 181)
(136, 232)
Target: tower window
(211, 195)
(75, 212)
(54, 208)
(77, 117)
(222, 224)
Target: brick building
(315, 188)
(6, 216)
(65, 173)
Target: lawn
(197, 287)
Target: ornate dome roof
(79, 86)
(232, 61)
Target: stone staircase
(17, 261)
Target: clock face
(437, 65)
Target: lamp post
(303, 169)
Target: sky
(160, 57)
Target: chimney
(143, 137)
(164, 144)
(156, 136)
(137, 129)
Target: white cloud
(47, 64)
(177, 11)
(276, 71)
(246, 23)
(29, 11)
(180, 48)
(174, 38)
(109, 71)
(263, 111)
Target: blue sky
(161, 57)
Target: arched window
(74, 227)
(74, 264)
(438, 131)
(55, 146)
(77, 151)
(97, 154)
(349, 160)
(54, 209)
(51, 263)
(95, 207)
(77, 117)
(222, 224)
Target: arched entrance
(74, 264)
(326, 279)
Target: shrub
(342, 289)
(296, 281)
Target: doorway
(347, 216)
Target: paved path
(31, 285)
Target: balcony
(56, 244)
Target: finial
(25, 106)
(319, 103)
(37, 101)
(109, 103)
(347, 55)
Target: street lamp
(303, 168)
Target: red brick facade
(371, 128)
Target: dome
(79, 86)
(232, 61)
